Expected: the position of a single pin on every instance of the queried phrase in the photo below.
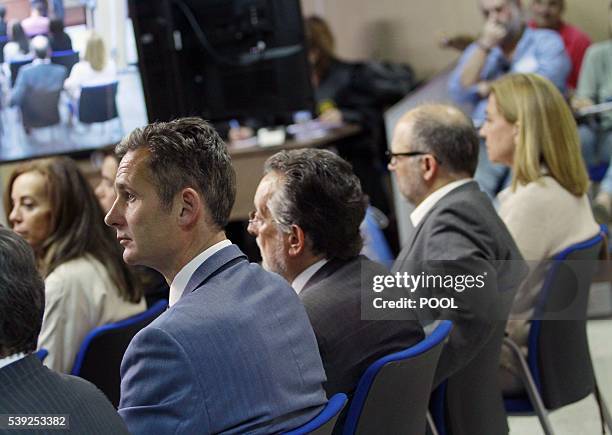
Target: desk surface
(249, 162)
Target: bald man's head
(446, 132)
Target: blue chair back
(41, 354)
(393, 393)
(558, 353)
(323, 423)
(99, 357)
(68, 58)
(97, 103)
(3, 40)
(375, 244)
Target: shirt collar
(11, 359)
(39, 61)
(300, 281)
(182, 278)
(428, 203)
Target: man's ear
(189, 207)
(430, 167)
(296, 241)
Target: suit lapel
(405, 252)
(212, 266)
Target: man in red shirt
(546, 14)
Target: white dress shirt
(182, 278)
(428, 203)
(11, 359)
(300, 281)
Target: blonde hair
(547, 132)
(95, 52)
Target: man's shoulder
(574, 33)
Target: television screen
(57, 121)
(222, 59)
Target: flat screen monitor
(222, 59)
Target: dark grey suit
(348, 345)
(464, 229)
(28, 387)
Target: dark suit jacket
(464, 229)
(348, 345)
(28, 387)
(236, 354)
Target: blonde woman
(530, 128)
(95, 69)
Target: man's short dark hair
(2, 12)
(187, 152)
(22, 295)
(449, 134)
(320, 193)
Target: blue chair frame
(67, 58)
(323, 423)
(99, 357)
(41, 354)
(433, 342)
(532, 403)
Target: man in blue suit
(235, 352)
(38, 87)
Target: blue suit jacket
(46, 77)
(236, 354)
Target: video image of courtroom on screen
(78, 93)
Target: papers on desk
(594, 109)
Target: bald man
(434, 153)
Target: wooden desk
(249, 162)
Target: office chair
(100, 354)
(68, 58)
(41, 354)
(323, 423)
(98, 103)
(392, 395)
(558, 369)
(39, 108)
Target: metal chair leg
(532, 389)
(431, 424)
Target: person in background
(547, 14)
(338, 101)
(3, 26)
(530, 128)
(58, 38)
(95, 69)
(26, 386)
(38, 22)
(50, 204)
(505, 45)
(18, 48)
(594, 87)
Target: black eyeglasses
(391, 155)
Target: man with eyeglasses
(309, 207)
(434, 153)
(505, 45)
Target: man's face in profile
(269, 236)
(145, 228)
